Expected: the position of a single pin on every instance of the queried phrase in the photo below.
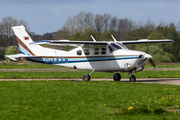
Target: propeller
(152, 63)
(150, 60)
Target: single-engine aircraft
(88, 55)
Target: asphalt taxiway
(173, 81)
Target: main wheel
(132, 78)
(86, 77)
(117, 77)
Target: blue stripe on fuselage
(64, 60)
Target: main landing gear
(86, 77)
(116, 77)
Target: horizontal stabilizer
(16, 56)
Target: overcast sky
(45, 16)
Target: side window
(86, 51)
(79, 52)
(110, 49)
(96, 51)
(103, 50)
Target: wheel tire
(117, 77)
(86, 77)
(132, 78)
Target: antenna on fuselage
(113, 38)
(93, 38)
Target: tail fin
(23, 40)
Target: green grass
(72, 100)
(28, 65)
(79, 74)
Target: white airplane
(88, 55)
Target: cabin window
(103, 50)
(86, 51)
(96, 51)
(79, 52)
(110, 49)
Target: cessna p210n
(88, 55)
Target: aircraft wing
(83, 43)
(67, 42)
(165, 41)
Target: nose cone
(147, 56)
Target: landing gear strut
(117, 77)
(132, 78)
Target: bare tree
(98, 20)
(70, 25)
(80, 21)
(124, 27)
(6, 25)
(5, 29)
(89, 18)
(149, 25)
(24, 23)
(106, 18)
(113, 24)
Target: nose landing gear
(117, 77)
(132, 78)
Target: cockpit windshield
(116, 46)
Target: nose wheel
(132, 78)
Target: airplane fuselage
(97, 59)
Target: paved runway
(173, 81)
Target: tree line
(82, 25)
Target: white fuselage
(91, 58)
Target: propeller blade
(152, 63)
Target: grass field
(79, 74)
(77, 100)
(73, 100)
(28, 65)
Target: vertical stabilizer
(23, 40)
